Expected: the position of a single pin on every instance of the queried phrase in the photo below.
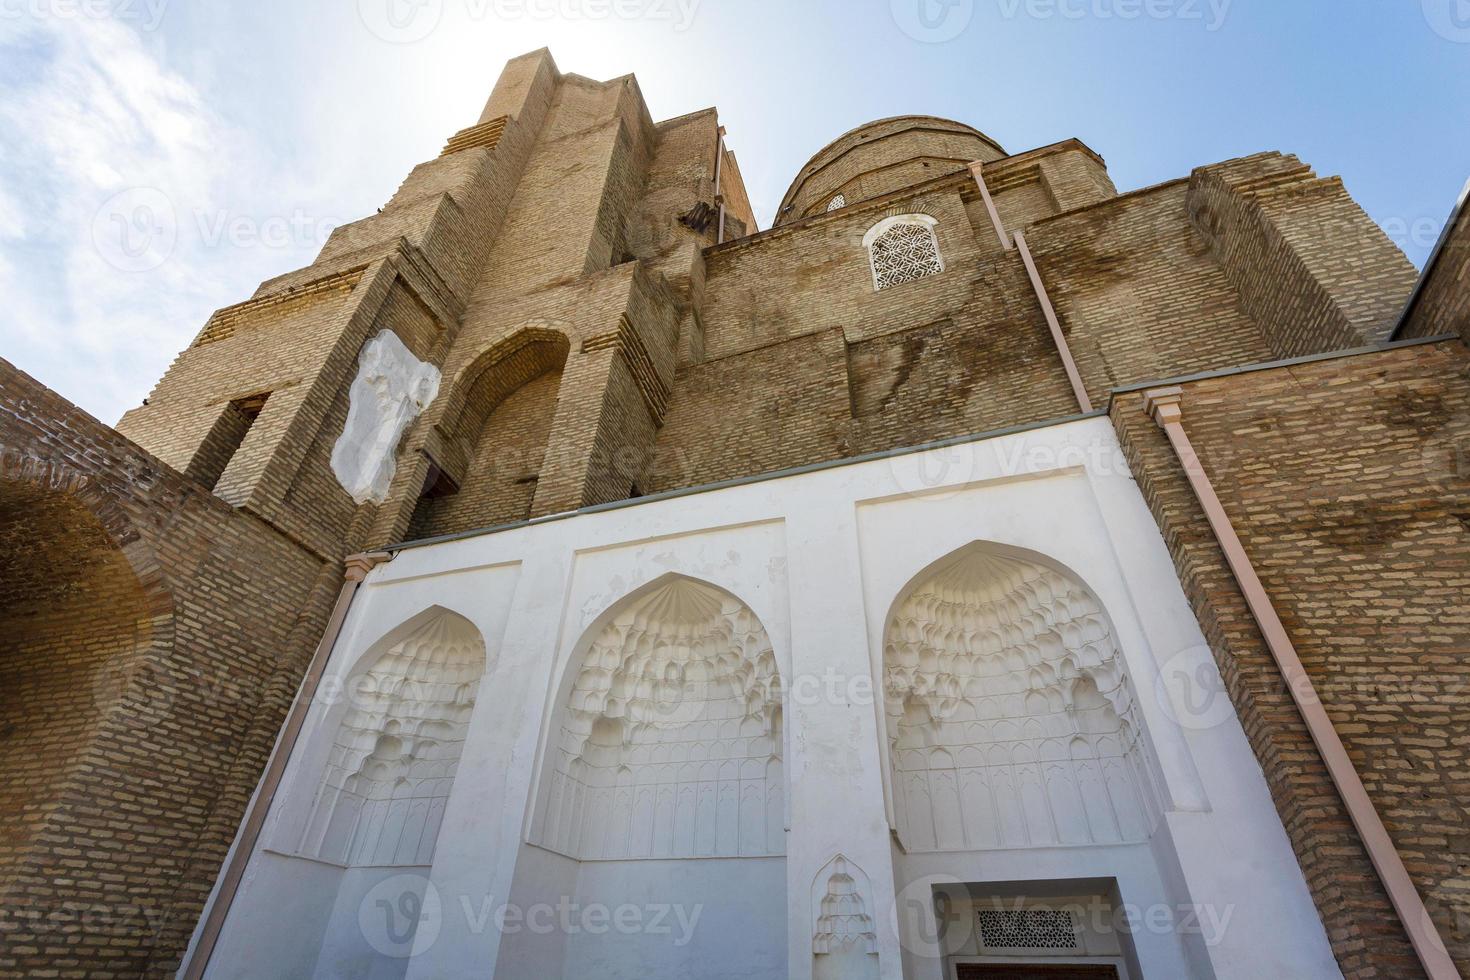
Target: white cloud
(114, 188)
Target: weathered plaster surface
(391, 389)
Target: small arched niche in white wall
(844, 937)
(903, 248)
(1010, 717)
(668, 743)
(392, 762)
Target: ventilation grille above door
(1028, 929)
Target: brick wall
(152, 644)
(1443, 303)
(1347, 481)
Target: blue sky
(159, 158)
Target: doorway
(1024, 971)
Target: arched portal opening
(669, 741)
(358, 818)
(385, 785)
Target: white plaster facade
(686, 755)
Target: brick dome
(883, 156)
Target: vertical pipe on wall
(1164, 405)
(1070, 366)
(357, 568)
(719, 189)
(1052, 324)
(1000, 230)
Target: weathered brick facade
(1346, 481)
(153, 640)
(560, 264)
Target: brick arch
(108, 511)
(501, 369)
(86, 610)
(489, 440)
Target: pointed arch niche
(1010, 718)
(667, 741)
(844, 937)
(386, 780)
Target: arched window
(840, 201)
(1011, 720)
(903, 248)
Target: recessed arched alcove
(80, 623)
(492, 439)
(668, 740)
(382, 791)
(1011, 721)
(662, 780)
(358, 818)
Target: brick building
(1010, 575)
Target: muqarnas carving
(1011, 722)
(392, 764)
(669, 744)
(844, 939)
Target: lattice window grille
(1029, 929)
(904, 253)
(840, 201)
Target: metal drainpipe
(1074, 378)
(719, 192)
(1164, 405)
(357, 568)
(1052, 324)
(1000, 231)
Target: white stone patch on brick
(391, 389)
